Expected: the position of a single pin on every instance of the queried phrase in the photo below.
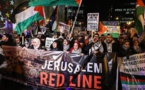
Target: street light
(129, 22)
(117, 18)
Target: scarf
(65, 47)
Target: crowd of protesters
(127, 43)
(82, 43)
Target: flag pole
(44, 15)
(38, 25)
(72, 29)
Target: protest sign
(92, 21)
(57, 69)
(48, 42)
(132, 72)
(62, 27)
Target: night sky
(102, 6)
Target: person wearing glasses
(95, 46)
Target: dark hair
(126, 40)
(0, 36)
(102, 35)
(43, 37)
(95, 35)
(109, 35)
(121, 38)
(7, 35)
(10, 38)
(66, 40)
(59, 46)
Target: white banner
(62, 27)
(135, 65)
(92, 21)
(48, 42)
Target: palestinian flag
(140, 10)
(52, 22)
(130, 82)
(102, 28)
(54, 2)
(23, 16)
(132, 72)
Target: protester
(54, 70)
(55, 46)
(35, 44)
(80, 39)
(136, 47)
(127, 44)
(94, 46)
(42, 39)
(126, 50)
(55, 35)
(109, 44)
(39, 35)
(76, 48)
(86, 39)
(120, 41)
(86, 42)
(102, 38)
(15, 34)
(18, 42)
(26, 43)
(66, 46)
(7, 40)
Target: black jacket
(115, 47)
(122, 52)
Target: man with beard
(7, 40)
(18, 42)
(95, 46)
(109, 44)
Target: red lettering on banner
(60, 77)
(87, 81)
(43, 77)
(51, 79)
(96, 82)
(58, 80)
(71, 84)
(79, 81)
